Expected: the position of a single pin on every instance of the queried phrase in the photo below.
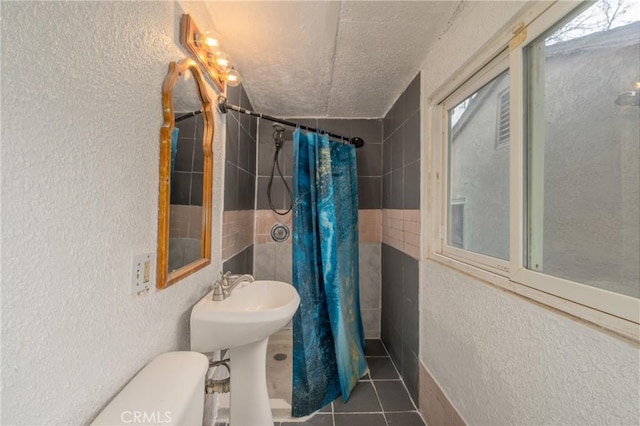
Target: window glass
(457, 223)
(583, 121)
(479, 172)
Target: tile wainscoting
(434, 404)
(401, 230)
(237, 232)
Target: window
(582, 151)
(537, 165)
(477, 172)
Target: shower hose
(278, 137)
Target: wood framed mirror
(186, 171)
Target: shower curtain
(328, 336)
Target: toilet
(169, 390)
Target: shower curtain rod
(223, 106)
(188, 115)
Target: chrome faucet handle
(227, 282)
(235, 278)
(235, 281)
(218, 288)
(228, 278)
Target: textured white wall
(500, 359)
(504, 361)
(81, 117)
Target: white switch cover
(143, 273)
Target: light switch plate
(142, 273)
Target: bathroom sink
(243, 322)
(252, 312)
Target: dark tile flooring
(379, 399)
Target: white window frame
(497, 66)
(613, 311)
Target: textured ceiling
(329, 58)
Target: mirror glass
(186, 171)
(187, 167)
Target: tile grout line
(403, 384)
(401, 379)
(333, 415)
(375, 389)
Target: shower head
(278, 135)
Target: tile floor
(379, 399)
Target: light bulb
(233, 78)
(222, 59)
(211, 39)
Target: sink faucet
(227, 282)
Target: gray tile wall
(240, 170)
(400, 277)
(273, 262)
(240, 159)
(241, 263)
(399, 314)
(188, 167)
(369, 159)
(401, 151)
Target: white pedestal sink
(243, 323)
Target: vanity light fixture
(206, 50)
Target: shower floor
(278, 369)
(379, 399)
(279, 380)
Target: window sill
(618, 326)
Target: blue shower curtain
(328, 337)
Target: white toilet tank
(167, 391)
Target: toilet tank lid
(166, 384)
